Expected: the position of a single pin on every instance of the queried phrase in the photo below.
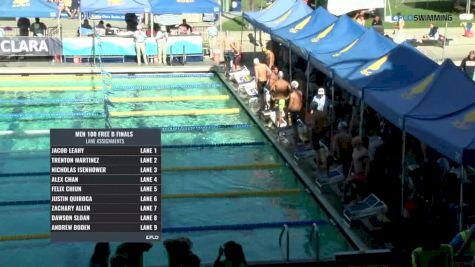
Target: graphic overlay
(105, 185)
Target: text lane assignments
(105, 185)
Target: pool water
(30, 154)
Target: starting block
(302, 152)
(238, 75)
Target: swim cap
(280, 74)
(256, 61)
(294, 84)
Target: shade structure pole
(255, 40)
(445, 40)
(151, 25)
(462, 178)
(290, 64)
(361, 118)
(332, 108)
(307, 85)
(403, 170)
(79, 20)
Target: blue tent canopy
(314, 22)
(181, 7)
(428, 98)
(344, 63)
(452, 135)
(298, 10)
(404, 65)
(271, 12)
(28, 9)
(342, 33)
(119, 7)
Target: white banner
(340, 7)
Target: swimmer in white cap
(295, 107)
(262, 73)
(280, 93)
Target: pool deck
(303, 173)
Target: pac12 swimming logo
(427, 17)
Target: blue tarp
(28, 9)
(271, 12)
(402, 66)
(304, 27)
(338, 36)
(298, 10)
(453, 135)
(182, 7)
(115, 7)
(344, 63)
(429, 98)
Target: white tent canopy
(340, 7)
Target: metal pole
(80, 19)
(403, 170)
(445, 40)
(332, 87)
(361, 118)
(308, 83)
(290, 64)
(151, 25)
(255, 40)
(220, 18)
(462, 178)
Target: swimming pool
(244, 190)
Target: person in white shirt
(162, 38)
(319, 101)
(140, 38)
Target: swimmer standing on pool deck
(280, 92)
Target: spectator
(162, 38)
(377, 21)
(134, 252)
(179, 252)
(38, 28)
(86, 25)
(109, 30)
(100, 258)
(100, 25)
(185, 28)
(24, 25)
(191, 260)
(466, 238)
(432, 253)
(64, 5)
(433, 33)
(359, 18)
(140, 38)
(468, 64)
(234, 256)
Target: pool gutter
(353, 238)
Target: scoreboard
(105, 185)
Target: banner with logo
(30, 46)
(125, 46)
(340, 7)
